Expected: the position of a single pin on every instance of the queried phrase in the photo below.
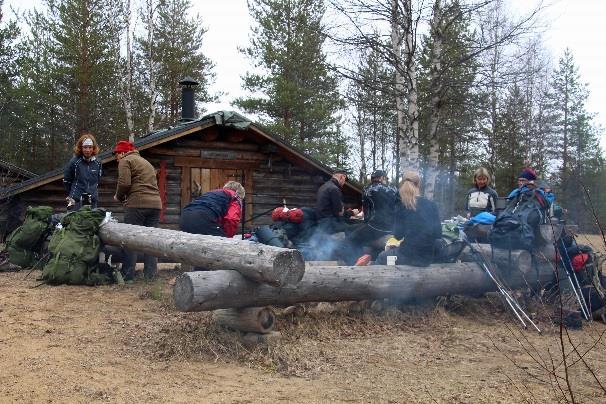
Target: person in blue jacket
(82, 173)
(527, 182)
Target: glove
(70, 201)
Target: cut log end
(250, 319)
(183, 292)
(289, 267)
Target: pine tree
(9, 72)
(371, 101)
(76, 41)
(176, 51)
(299, 97)
(575, 140)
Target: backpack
(24, 245)
(74, 250)
(449, 246)
(516, 226)
(590, 276)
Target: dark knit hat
(528, 173)
(340, 171)
(378, 174)
(123, 146)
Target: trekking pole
(513, 304)
(574, 282)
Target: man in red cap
(137, 189)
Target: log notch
(504, 259)
(250, 319)
(198, 291)
(259, 262)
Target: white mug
(391, 259)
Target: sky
(576, 24)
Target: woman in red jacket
(215, 213)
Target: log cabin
(10, 215)
(198, 155)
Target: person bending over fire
(215, 213)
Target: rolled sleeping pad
(266, 235)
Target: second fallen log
(199, 291)
(259, 262)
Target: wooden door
(202, 180)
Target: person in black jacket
(329, 204)
(83, 172)
(417, 221)
(379, 202)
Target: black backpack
(517, 225)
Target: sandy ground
(129, 344)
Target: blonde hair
(481, 172)
(82, 138)
(409, 190)
(235, 186)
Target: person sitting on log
(379, 202)
(480, 198)
(527, 182)
(417, 222)
(329, 208)
(215, 213)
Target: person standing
(481, 198)
(138, 190)
(417, 222)
(82, 173)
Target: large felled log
(198, 291)
(520, 259)
(250, 319)
(256, 261)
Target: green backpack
(24, 245)
(74, 250)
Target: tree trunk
(151, 65)
(127, 73)
(396, 49)
(251, 319)
(435, 102)
(199, 291)
(258, 262)
(412, 127)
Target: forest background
(443, 86)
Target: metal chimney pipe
(187, 99)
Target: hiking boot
(363, 260)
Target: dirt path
(128, 344)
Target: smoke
(322, 246)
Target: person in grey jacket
(83, 172)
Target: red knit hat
(123, 146)
(528, 173)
